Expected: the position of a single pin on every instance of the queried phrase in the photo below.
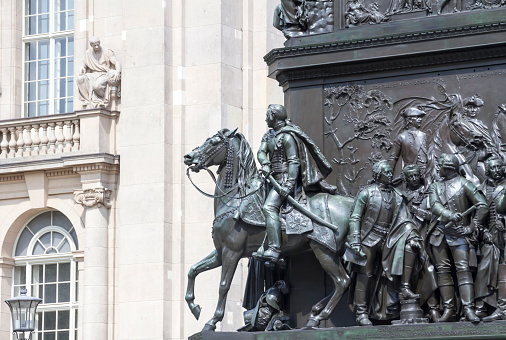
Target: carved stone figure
(290, 17)
(99, 78)
(293, 159)
(411, 143)
(384, 230)
(357, 14)
(492, 245)
(452, 235)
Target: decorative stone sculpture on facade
(89, 198)
(99, 78)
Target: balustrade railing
(39, 136)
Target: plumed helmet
(412, 112)
(473, 100)
(279, 111)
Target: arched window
(45, 266)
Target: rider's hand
(464, 230)
(265, 170)
(456, 217)
(487, 237)
(284, 191)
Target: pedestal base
(440, 331)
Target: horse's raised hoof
(209, 328)
(196, 311)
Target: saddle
(293, 222)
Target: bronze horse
(234, 240)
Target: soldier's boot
(445, 283)
(433, 304)
(481, 309)
(361, 299)
(466, 288)
(274, 241)
(405, 291)
(500, 312)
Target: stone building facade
(97, 217)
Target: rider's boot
(361, 299)
(274, 240)
(405, 291)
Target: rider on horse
(293, 159)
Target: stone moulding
(288, 52)
(89, 198)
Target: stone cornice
(12, 178)
(439, 58)
(382, 41)
(90, 198)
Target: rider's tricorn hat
(412, 112)
(473, 100)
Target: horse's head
(212, 152)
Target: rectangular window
(48, 57)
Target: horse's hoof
(312, 324)
(209, 328)
(196, 311)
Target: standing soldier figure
(418, 204)
(450, 201)
(381, 226)
(491, 275)
(293, 160)
(410, 144)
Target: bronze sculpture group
(435, 231)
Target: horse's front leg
(230, 259)
(209, 262)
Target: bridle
(203, 164)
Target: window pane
(31, 23)
(43, 25)
(37, 275)
(60, 47)
(70, 66)
(50, 293)
(64, 292)
(46, 239)
(60, 86)
(43, 69)
(31, 7)
(31, 51)
(64, 319)
(71, 21)
(39, 321)
(70, 108)
(43, 50)
(19, 275)
(71, 46)
(43, 89)
(31, 71)
(50, 336)
(65, 246)
(64, 272)
(31, 92)
(49, 321)
(43, 6)
(60, 68)
(31, 110)
(63, 335)
(51, 250)
(38, 249)
(50, 272)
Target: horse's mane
(247, 166)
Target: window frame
(28, 261)
(51, 36)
